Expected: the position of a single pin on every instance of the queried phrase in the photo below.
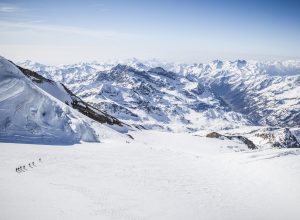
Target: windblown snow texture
(29, 114)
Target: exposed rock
(245, 140)
(35, 77)
(282, 138)
(214, 135)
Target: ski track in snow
(156, 176)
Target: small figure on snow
(40, 160)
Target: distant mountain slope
(218, 94)
(268, 93)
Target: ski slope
(158, 175)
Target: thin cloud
(62, 29)
(5, 8)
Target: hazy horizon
(59, 32)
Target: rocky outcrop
(277, 137)
(245, 140)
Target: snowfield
(158, 175)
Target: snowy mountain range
(157, 94)
(258, 100)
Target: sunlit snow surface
(28, 114)
(158, 175)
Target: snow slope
(158, 175)
(29, 114)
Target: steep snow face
(29, 114)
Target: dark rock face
(95, 114)
(288, 140)
(35, 77)
(245, 140)
(214, 135)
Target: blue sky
(55, 32)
